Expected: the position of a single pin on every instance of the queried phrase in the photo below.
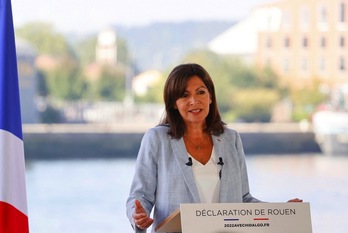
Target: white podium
(290, 217)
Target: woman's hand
(141, 219)
(295, 200)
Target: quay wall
(52, 142)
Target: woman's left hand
(295, 200)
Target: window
(304, 65)
(285, 65)
(304, 17)
(322, 42)
(268, 42)
(286, 19)
(342, 63)
(287, 42)
(304, 42)
(341, 42)
(322, 14)
(342, 12)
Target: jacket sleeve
(143, 187)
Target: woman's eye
(201, 92)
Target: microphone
(221, 163)
(189, 163)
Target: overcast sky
(90, 15)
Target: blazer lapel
(219, 152)
(181, 157)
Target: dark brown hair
(175, 87)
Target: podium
(289, 217)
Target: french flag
(13, 199)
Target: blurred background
(91, 78)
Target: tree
(305, 100)
(154, 93)
(85, 50)
(42, 89)
(254, 105)
(65, 81)
(111, 84)
(45, 39)
(243, 92)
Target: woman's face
(193, 106)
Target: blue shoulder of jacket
(230, 131)
(160, 130)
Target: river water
(88, 196)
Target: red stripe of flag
(12, 220)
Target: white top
(207, 179)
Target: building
(105, 54)
(27, 77)
(304, 41)
(106, 49)
(241, 40)
(142, 82)
(310, 43)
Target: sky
(81, 16)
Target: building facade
(27, 76)
(310, 43)
(106, 49)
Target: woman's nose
(192, 100)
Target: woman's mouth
(195, 110)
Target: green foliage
(255, 105)
(85, 50)
(268, 79)
(110, 85)
(51, 115)
(243, 92)
(154, 93)
(123, 54)
(42, 86)
(45, 39)
(65, 82)
(305, 100)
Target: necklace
(198, 147)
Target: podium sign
(246, 218)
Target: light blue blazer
(163, 180)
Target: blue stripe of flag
(10, 113)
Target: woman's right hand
(141, 219)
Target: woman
(191, 157)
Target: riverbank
(71, 141)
